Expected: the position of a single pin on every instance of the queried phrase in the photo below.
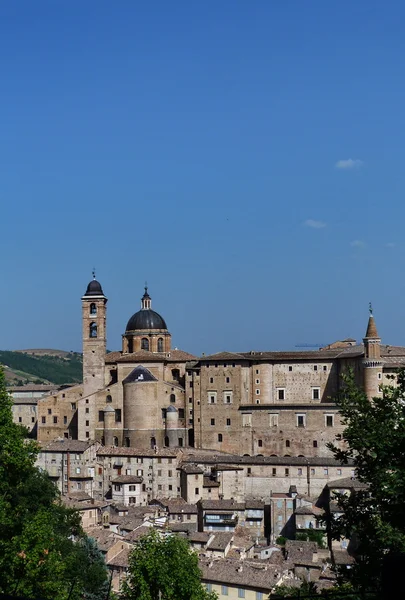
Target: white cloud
(358, 244)
(314, 224)
(349, 163)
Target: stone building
(149, 395)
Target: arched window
(109, 398)
(160, 345)
(127, 442)
(93, 330)
(93, 309)
(180, 442)
(287, 443)
(130, 345)
(145, 344)
(172, 398)
(152, 442)
(219, 437)
(115, 441)
(167, 442)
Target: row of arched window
(127, 442)
(145, 344)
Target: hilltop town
(227, 450)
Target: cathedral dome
(146, 318)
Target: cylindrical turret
(109, 426)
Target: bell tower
(372, 365)
(94, 305)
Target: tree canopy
(372, 518)
(43, 550)
(164, 568)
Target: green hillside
(41, 366)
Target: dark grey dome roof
(146, 318)
(94, 289)
(140, 373)
(171, 408)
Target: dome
(171, 408)
(94, 289)
(146, 318)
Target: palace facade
(150, 395)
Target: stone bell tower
(372, 364)
(94, 305)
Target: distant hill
(41, 366)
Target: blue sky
(246, 158)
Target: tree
(164, 568)
(372, 518)
(38, 554)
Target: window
(300, 420)
(325, 368)
(339, 471)
(164, 411)
(87, 423)
(257, 392)
(118, 415)
(212, 397)
(65, 420)
(290, 368)
(108, 398)
(257, 371)
(73, 406)
(209, 587)
(211, 380)
(287, 472)
(159, 472)
(299, 471)
(315, 444)
(144, 344)
(312, 471)
(43, 419)
(224, 590)
(160, 487)
(93, 309)
(219, 437)
(228, 422)
(181, 413)
(55, 420)
(93, 330)
(132, 488)
(173, 398)
(127, 442)
(153, 443)
(167, 441)
(190, 401)
(329, 420)
(170, 473)
(280, 394)
(326, 471)
(160, 345)
(87, 410)
(227, 397)
(260, 443)
(316, 393)
(176, 374)
(170, 488)
(315, 367)
(273, 420)
(227, 380)
(101, 415)
(20, 419)
(274, 471)
(241, 593)
(180, 442)
(32, 419)
(249, 471)
(257, 381)
(197, 491)
(246, 419)
(115, 441)
(212, 421)
(287, 443)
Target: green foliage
(312, 535)
(55, 369)
(164, 568)
(38, 557)
(373, 518)
(286, 591)
(281, 540)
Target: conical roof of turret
(371, 326)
